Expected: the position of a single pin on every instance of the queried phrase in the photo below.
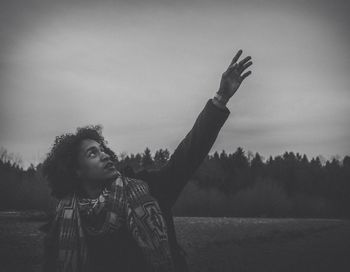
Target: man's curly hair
(62, 160)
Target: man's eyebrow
(90, 148)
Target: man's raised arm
(167, 183)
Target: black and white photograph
(174, 136)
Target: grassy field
(212, 244)
(264, 244)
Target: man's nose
(104, 156)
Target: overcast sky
(145, 69)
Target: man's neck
(91, 190)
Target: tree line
(225, 184)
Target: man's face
(94, 165)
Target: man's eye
(92, 154)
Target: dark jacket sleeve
(167, 183)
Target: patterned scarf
(127, 201)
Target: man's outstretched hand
(232, 78)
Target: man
(110, 220)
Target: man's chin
(108, 180)
(113, 175)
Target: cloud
(145, 71)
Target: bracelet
(217, 103)
(221, 99)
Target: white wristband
(221, 99)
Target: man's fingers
(245, 66)
(235, 58)
(240, 69)
(244, 60)
(246, 74)
(232, 67)
(241, 66)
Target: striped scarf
(127, 201)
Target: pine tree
(161, 157)
(147, 160)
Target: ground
(265, 244)
(212, 244)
